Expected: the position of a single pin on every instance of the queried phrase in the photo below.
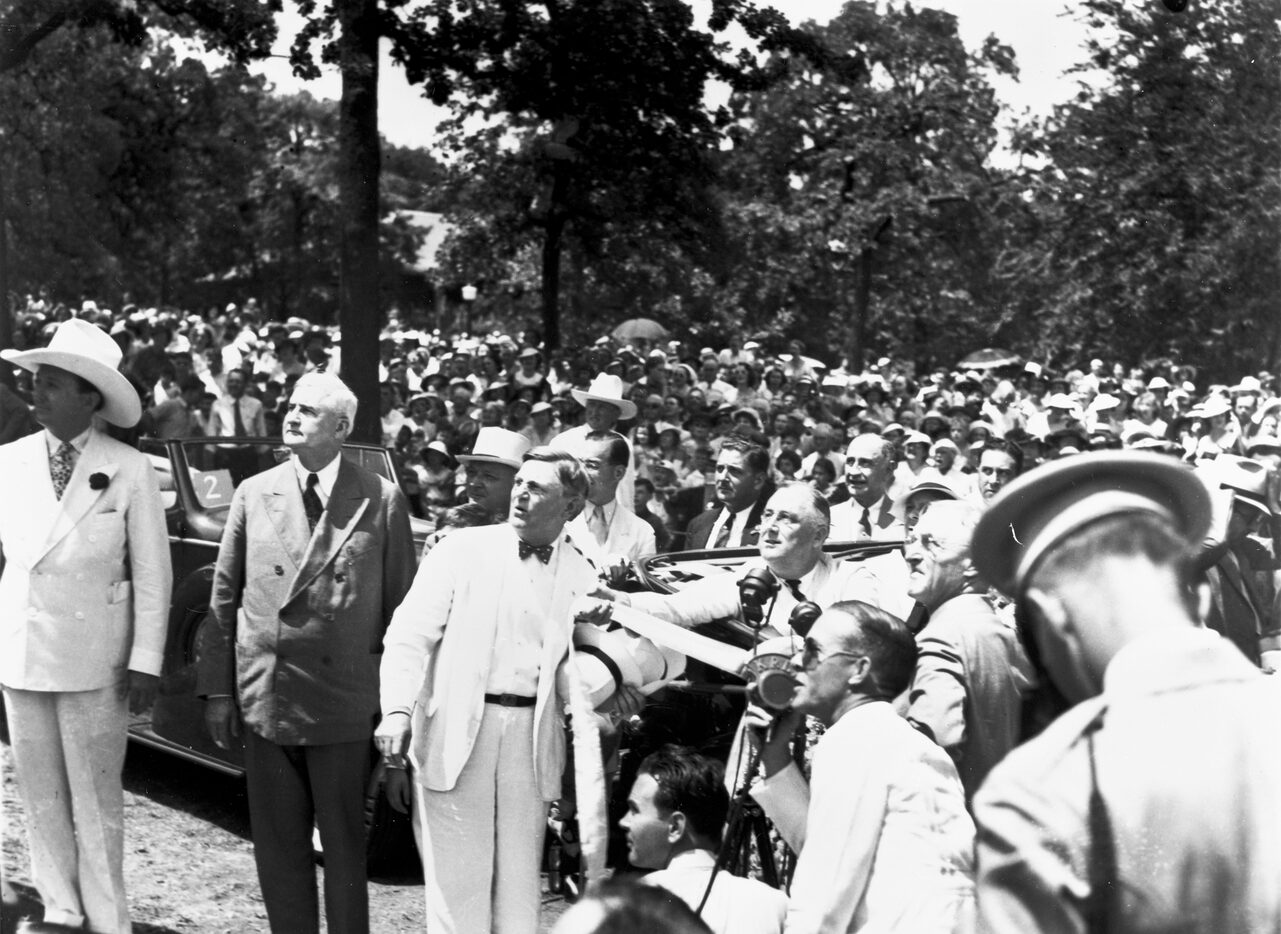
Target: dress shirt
(735, 905)
(78, 443)
(222, 420)
(518, 640)
(325, 477)
(847, 522)
(884, 839)
(736, 531)
(608, 511)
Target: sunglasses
(812, 655)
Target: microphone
(771, 689)
(755, 589)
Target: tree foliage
(139, 174)
(1156, 223)
(860, 193)
(580, 130)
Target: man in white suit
(612, 537)
(604, 407)
(469, 674)
(84, 600)
(884, 839)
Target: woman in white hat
(84, 603)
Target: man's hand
(140, 688)
(625, 703)
(615, 572)
(222, 720)
(392, 737)
(771, 735)
(597, 613)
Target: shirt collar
(1159, 661)
(78, 442)
(609, 510)
(692, 860)
(326, 476)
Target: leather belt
(509, 700)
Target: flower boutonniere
(98, 481)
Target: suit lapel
(79, 497)
(283, 502)
(347, 503)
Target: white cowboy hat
(89, 352)
(608, 659)
(498, 446)
(606, 387)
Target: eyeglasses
(812, 657)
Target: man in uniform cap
(84, 603)
(1152, 804)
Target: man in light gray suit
(84, 600)
(316, 555)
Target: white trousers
(482, 842)
(68, 754)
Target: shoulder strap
(1103, 874)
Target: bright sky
(1046, 43)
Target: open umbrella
(989, 358)
(646, 329)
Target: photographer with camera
(884, 838)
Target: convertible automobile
(197, 480)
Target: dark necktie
(238, 423)
(722, 537)
(795, 587)
(311, 501)
(866, 522)
(525, 549)
(60, 467)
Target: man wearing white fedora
(490, 471)
(491, 468)
(84, 601)
(605, 406)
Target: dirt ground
(188, 857)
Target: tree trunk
(552, 241)
(6, 312)
(359, 310)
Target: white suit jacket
(629, 536)
(437, 651)
(84, 592)
(884, 839)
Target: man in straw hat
(469, 688)
(84, 603)
(604, 405)
(1152, 804)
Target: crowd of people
(1089, 570)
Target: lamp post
(469, 296)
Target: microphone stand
(746, 825)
